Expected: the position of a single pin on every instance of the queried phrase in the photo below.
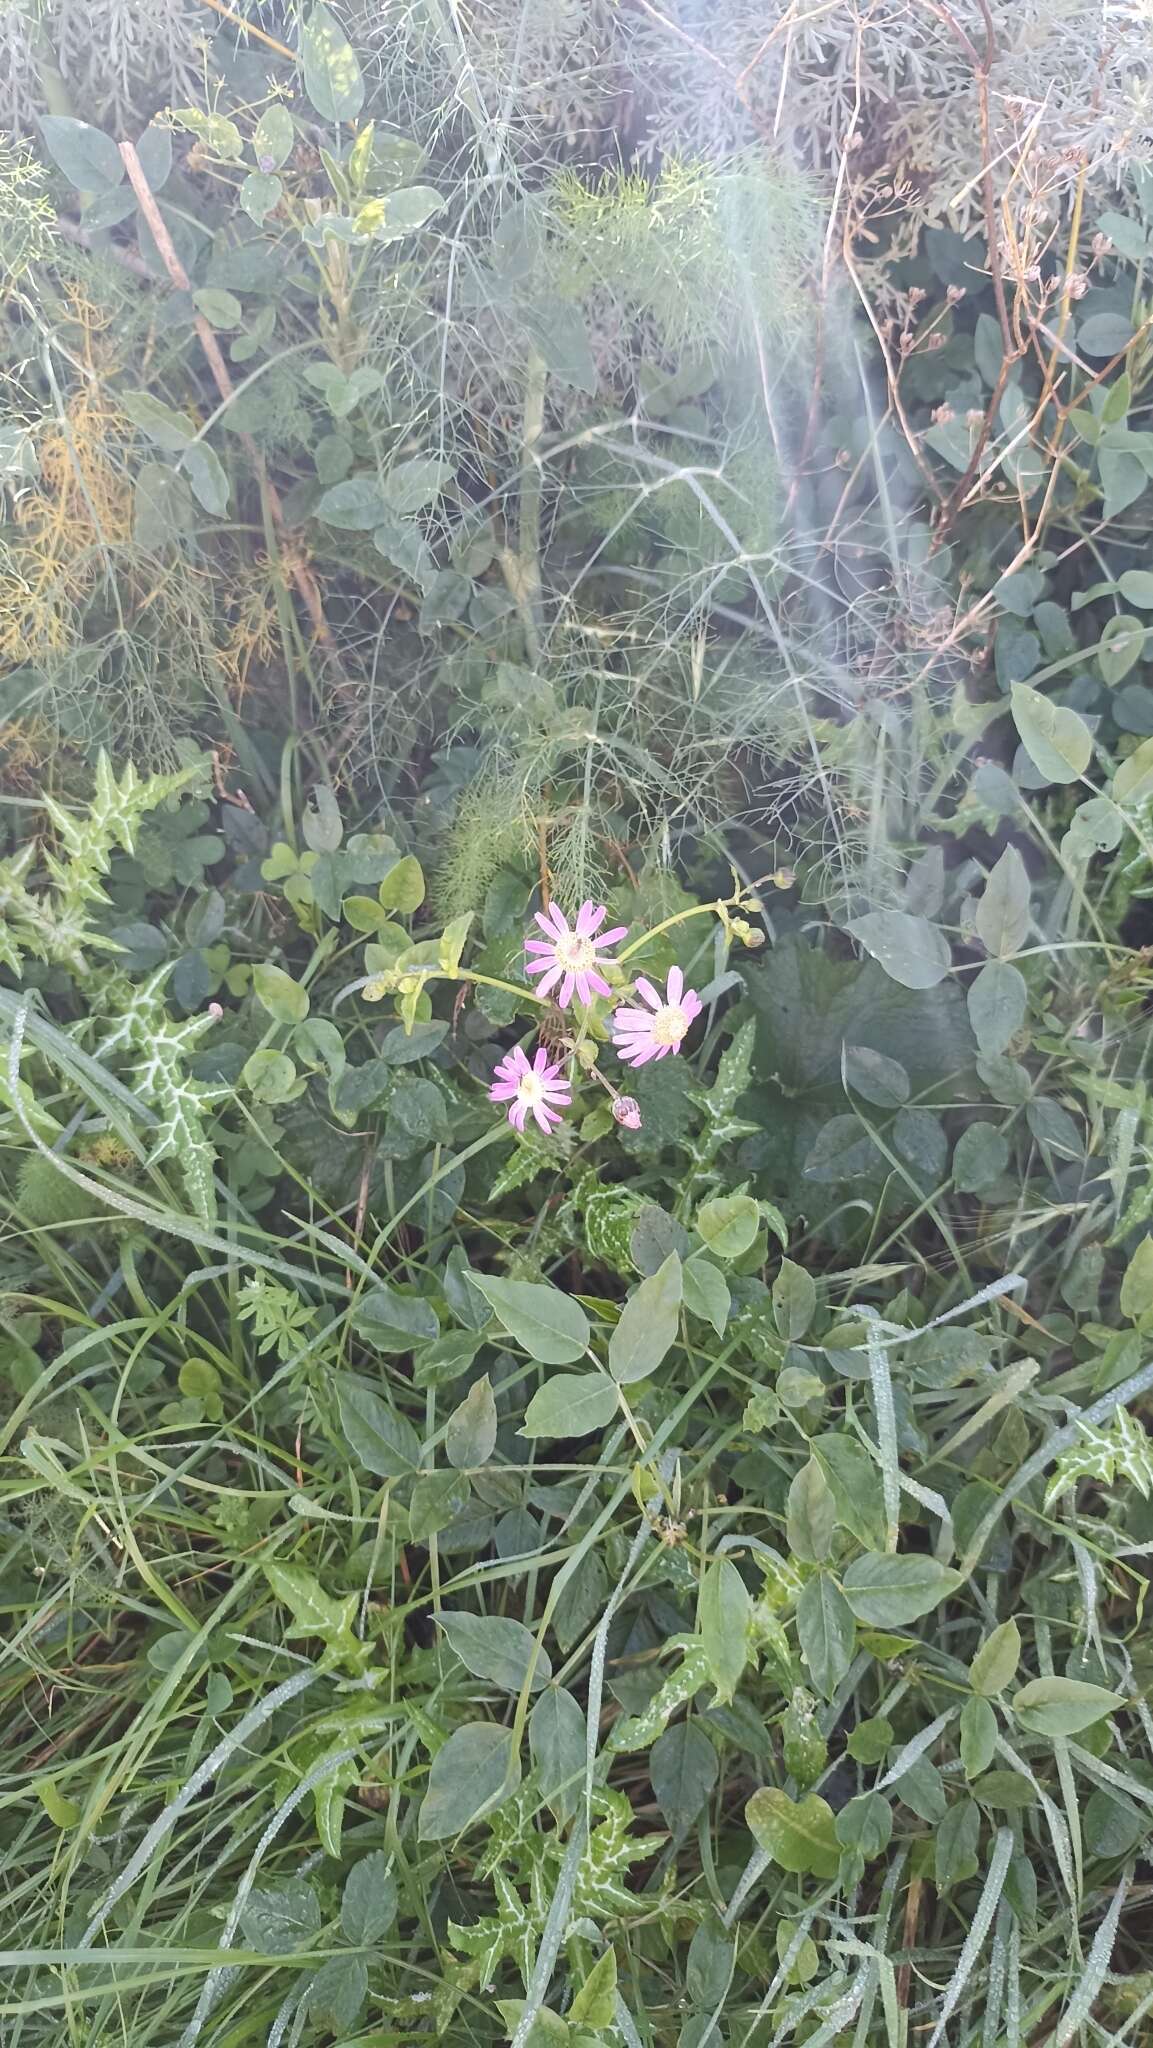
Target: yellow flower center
(530, 1089)
(577, 954)
(669, 1025)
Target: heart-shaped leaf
(799, 1834)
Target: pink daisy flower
(571, 955)
(650, 1034)
(526, 1087)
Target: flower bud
(627, 1111)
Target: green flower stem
(489, 981)
(678, 917)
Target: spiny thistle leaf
(158, 1048)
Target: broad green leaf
(357, 504)
(1136, 587)
(88, 158)
(283, 998)
(885, 1591)
(955, 1845)
(910, 949)
(470, 1433)
(560, 331)
(1122, 644)
(154, 149)
(496, 1648)
(549, 1325)
(706, 1291)
(278, 1919)
(595, 2004)
(1123, 480)
(710, 1962)
(811, 1514)
(163, 508)
(273, 137)
(393, 1322)
(410, 486)
(385, 1443)
(1006, 1790)
(1063, 1706)
(871, 1740)
(1133, 782)
(572, 1404)
(980, 1158)
(794, 1301)
(1136, 1297)
(996, 1661)
(856, 1484)
(436, 1500)
(452, 941)
(272, 1076)
(477, 1768)
(1057, 740)
(260, 194)
(648, 1326)
(997, 1001)
(166, 428)
(403, 887)
(978, 1736)
(725, 1612)
(557, 1736)
(799, 1834)
(546, 2029)
(392, 215)
(340, 1986)
(875, 1076)
(62, 1811)
(921, 1788)
(332, 76)
(368, 1902)
(222, 309)
(208, 477)
(1003, 913)
(729, 1224)
(866, 1825)
(1104, 334)
(683, 1768)
(825, 1631)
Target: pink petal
(540, 1063)
(636, 1020)
(557, 1092)
(546, 1118)
(692, 1005)
(619, 931)
(598, 982)
(540, 946)
(552, 922)
(584, 989)
(539, 966)
(517, 1115)
(545, 987)
(676, 984)
(504, 1092)
(590, 918)
(512, 1066)
(566, 990)
(648, 994)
